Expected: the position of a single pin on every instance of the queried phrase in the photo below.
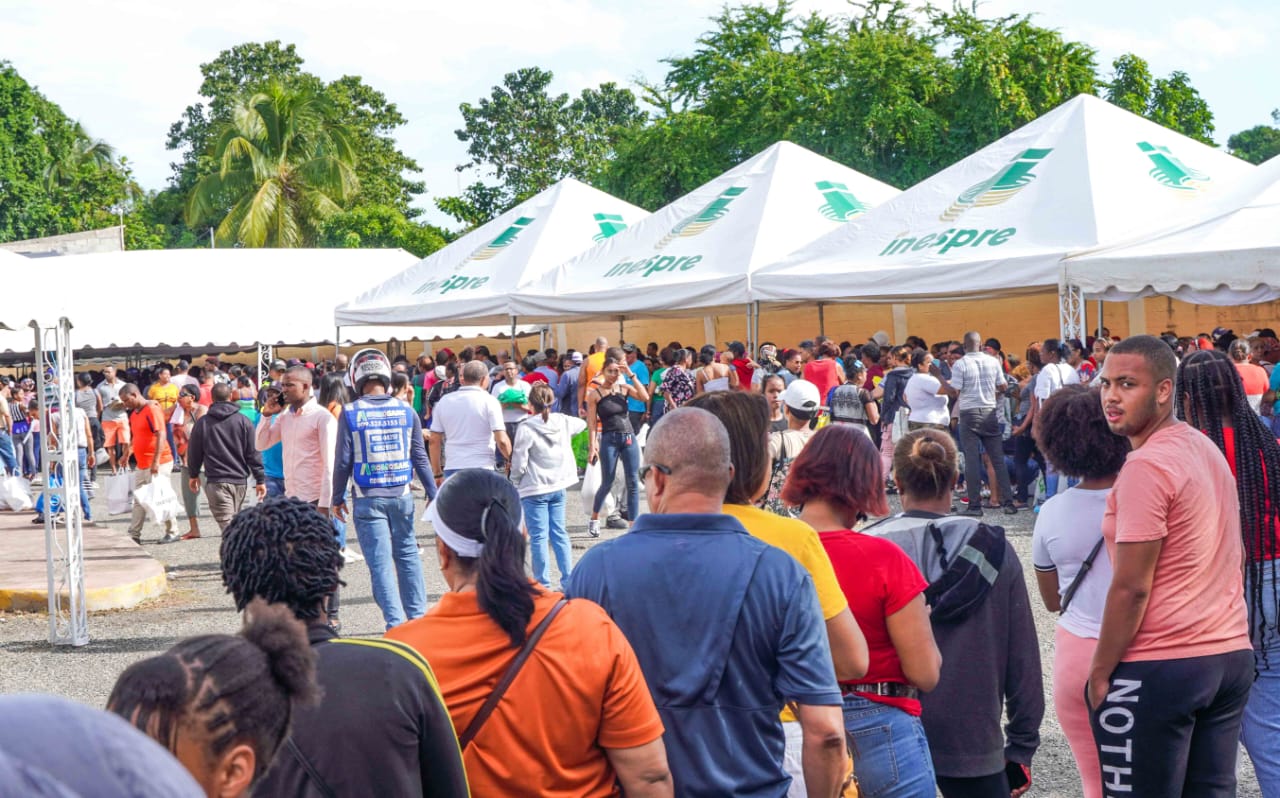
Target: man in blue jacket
(380, 448)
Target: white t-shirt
(78, 422)
(512, 415)
(1052, 377)
(1067, 528)
(921, 395)
(468, 417)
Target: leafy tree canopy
(1257, 144)
(1172, 101)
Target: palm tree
(284, 166)
(66, 167)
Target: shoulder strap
(1084, 569)
(317, 780)
(491, 703)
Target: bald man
(699, 598)
(590, 368)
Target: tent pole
(621, 320)
(822, 322)
(337, 342)
(1099, 331)
(514, 354)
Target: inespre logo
(841, 205)
(1169, 171)
(995, 190)
(610, 225)
(1000, 187)
(697, 224)
(505, 239)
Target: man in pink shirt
(309, 435)
(1174, 664)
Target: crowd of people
(770, 626)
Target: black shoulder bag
(1084, 569)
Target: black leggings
(994, 786)
(1172, 727)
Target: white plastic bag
(118, 488)
(158, 499)
(15, 494)
(590, 485)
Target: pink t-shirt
(1179, 489)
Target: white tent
(471, 279)
(699, 252)
(203, 299)
(1000, 221)
(1228, 255)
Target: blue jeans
(890, 752)
(275, 486)
(82, 456)
(1260, 731)
(384, 527)
(615, 446)
(8, 458)
(544, 514)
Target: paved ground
(196, 604)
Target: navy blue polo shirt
(727, 629)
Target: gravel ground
(196, 604)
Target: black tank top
(611, 409)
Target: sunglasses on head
(644, 470)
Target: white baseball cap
(802, 395)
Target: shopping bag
(119, 487)
(15, 494)
(55, 481)
(158, 499)
(590, 485)
(581, 442)
(102, 456)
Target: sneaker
(1009, 509)
(593, 528)
(351, 556)
(975, 512)
(616, 523)
(171, 537)
(136, 539)
(39, 519)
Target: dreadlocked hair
(1211, 396)
(233, 688)
(480, 505)
(282, 550)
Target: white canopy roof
(1000, 221)
(205, 299)
(1228, 255)
(699, 252)
(471, 279)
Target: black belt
(885, 689)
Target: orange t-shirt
(581, 691)
(1178, 488)
(147, 426)
(591, 367)
(1255, 378)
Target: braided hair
(229, 689)
(1210, 396)
(480, 505)
(282, 550)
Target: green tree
(285, 165)
(1257, 144)
(382, 170)
(1172, 101)
(525, 139)
(380, 226)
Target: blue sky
(128, 68)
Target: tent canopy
(1000, 221)
(1228, 255)
(698, 253)
(209, 300)
(471, 279)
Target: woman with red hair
(837, 481)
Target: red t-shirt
(1229, 443)
(874, 374)
(1255, 378)
(535, 377)
(824, 374)
(745, 373)
(878, 579)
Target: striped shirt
(976, 376)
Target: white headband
(465, 547)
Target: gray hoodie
(542, 458)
